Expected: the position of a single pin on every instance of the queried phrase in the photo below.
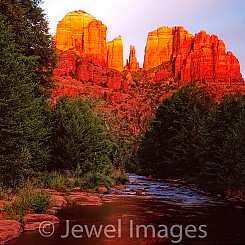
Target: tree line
(197, 138)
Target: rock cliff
(115, 54)
(81, 32)
(193, 57)
(88, 65)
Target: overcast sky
(133, 19)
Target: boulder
(102, 190)
(33, 221)
(139, 192)
(9, 229)
(58, 201)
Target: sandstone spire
(132, 63)
(115, 54)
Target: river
(164, 214)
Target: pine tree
(23, 133)
(30, 33)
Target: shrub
(91, 181)
(28, 199)
(79, 138)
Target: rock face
(80, 31)
(132, 63)
(193, 57)
(83, 32)
(158, 48)
(71, 64)
(115, 54)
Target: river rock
(83, 198)
(89, 200)
(139, 192)
(9, 229)
(58, 201)
(102, 190)
(232, 199)
(149, 177)
(52, 211)
(176, 185)
(34, 220)
(120, 187)
(118, 193)
(135, 183)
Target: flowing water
(163, 214)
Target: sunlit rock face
(159, 47)
(132, 63)
(194, 57)
(115, 54)
(81, 32)
(72, 65)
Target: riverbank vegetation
(197, 138)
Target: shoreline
(12, 228)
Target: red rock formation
(132, 63)
(80, 31)
(71, 64)
(34, 221)
(83, 32)
(9, 229)
(159, 47)
(209, 60)
(94, 67)
(115, 54)
(193, 57)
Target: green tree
(31, 36)
(79, 138)
(24, 135)
(224, 156)
(171, 146)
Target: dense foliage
(194, 137)
(27, 61)
(23, 133)
(31, 36)
(79, 138)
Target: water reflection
(163, 206)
